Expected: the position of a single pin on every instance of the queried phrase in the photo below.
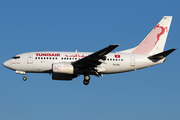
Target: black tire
(86, 82)
(24, 78)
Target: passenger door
(30, 58)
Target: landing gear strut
(86, 79)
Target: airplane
(69, 65)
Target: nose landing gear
(23, 73)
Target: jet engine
(65, 68)
(60, 76)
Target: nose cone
(6, 64)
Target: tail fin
(155, 41)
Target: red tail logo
(151, 40)
(161, 33)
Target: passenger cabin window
(16, 57)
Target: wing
(94, 59)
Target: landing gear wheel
(86, 82)
(86, 79)
(24, 78)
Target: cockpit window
(16, 57)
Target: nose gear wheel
(24, 78)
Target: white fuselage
(69, 65)
(41, 62)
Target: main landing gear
(86, 79)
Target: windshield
(15, 57)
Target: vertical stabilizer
(155, 41)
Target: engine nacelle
(59, 76)
(66, 68)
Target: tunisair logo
(150, 41)
(76, 55)
(161, 33)
(48, 54)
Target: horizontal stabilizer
(162, 54)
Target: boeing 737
(69, 65)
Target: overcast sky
(41, 25)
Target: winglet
(162, 54)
